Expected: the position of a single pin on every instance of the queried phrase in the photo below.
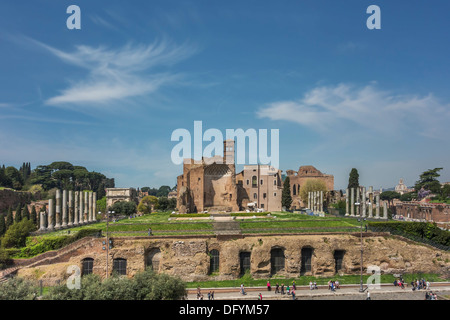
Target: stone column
(42, 221)
(385, 210)
(363, 213)
(377, 209)
(80, 213)
(70, 204)
(86, 200)
(370, 202)
(58, 209)
(352, 202)
(90, 207)
(64, 209)
(309, 200)
(321, 201)
(94, 206)
(50, 215)
(75, 209)
(347, 209)
(358, 208)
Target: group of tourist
(430, 295)
(200, 294)
(415, 285)
(333, 285)
(312, 285)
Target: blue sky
(109, 96)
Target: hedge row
(426, 230)
(249, 214)
(38, 245)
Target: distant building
(402, 188)
(422, 211)
(114, 195)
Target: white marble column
(86, 201)
(363, 213)
(309, 200)
(42, 221)
(81, 211)
(358, 208)
(377, 209)
(75, 209)
(385, 210)
(370, 202)
(50, 215)
(347, 209)
(321, 201)
(58, 210)
(94, 206)
(90, 207)
(352, 202)
(70, 204)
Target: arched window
(120, 266)
(244, 261)
(214, 261)
(152, 259)
(254, 182)
(255, 196)
(87, 266)
(277, 260)
(306, 260)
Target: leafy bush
(124, 207)
(249, 214)
(190, 215)
(145, 285)
(16, 235)
(18, 289)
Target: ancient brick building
(297, 179)
(420, 211)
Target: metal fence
(410, 236)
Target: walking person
(269, 288)
(293, 294)
(242, 289)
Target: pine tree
(9, 218)
(18, 216)
(34, 216)
(2, 224)
(286, 199)
(26, 213)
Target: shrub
(18, 289)
(16, 235)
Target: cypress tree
(353, 179)
(9, 218)
(18, 216)
(26, 213)
(34, 217)
(286, 199)
(2, 224)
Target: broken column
(385, 210)
(42, 221)
(357, 200)
(58, 209)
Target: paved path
(386, 292)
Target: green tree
(34, 217)
(18, 289)
(389, 196)
(163, 203)
(408, 196)
(353, 179)
(124, 207)
(26, 213)
(15, 176)
(18, 215)
(2, 225)
(9, 218)
(101, 204)
(428, 180)
(286, 198)
(148, 204)
(310, 186)
(16, 235)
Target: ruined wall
(188, 257)
(11, 198)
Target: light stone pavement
(386, 292)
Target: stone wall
(11, 198)
(188, 257)
(433, 212)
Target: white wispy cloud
(345, 108)
(117, 73)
